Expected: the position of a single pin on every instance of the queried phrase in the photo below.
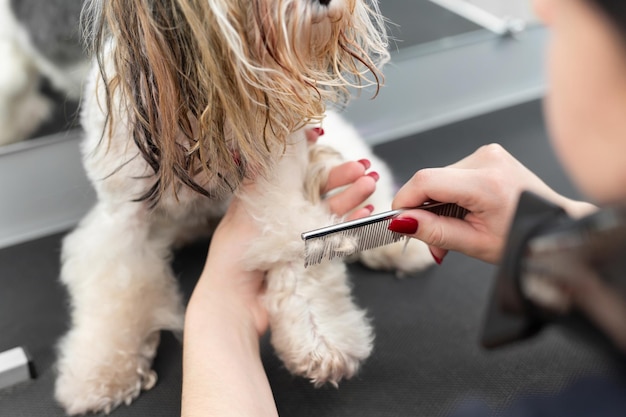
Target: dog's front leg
(317, 329)
(122, 293)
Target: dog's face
(324, 43)
(233, 76)
(296, 56)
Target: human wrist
(219, 330)
(210, 298)
(221, 322)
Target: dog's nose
(324, 2)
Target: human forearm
(222, 371)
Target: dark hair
(615, 10)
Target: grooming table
(426, 358)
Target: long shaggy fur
(205, 79)
(186, 99)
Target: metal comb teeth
(347, 238)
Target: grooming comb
(370, 232)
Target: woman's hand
(348, 185)
(488, 183)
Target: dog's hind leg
(122, 293)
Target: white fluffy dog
(38, 39)
(187, 99)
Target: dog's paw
(99, 381)
(332, 356)
(400, 257)
(327, 365)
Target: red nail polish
(369, 208)
(406, 225)
(436, 258)
(365, 162)
(319, 131)
(374, 175)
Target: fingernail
(436, 258)
(374, 175)
(319, 131)
(406, 225)
(365, 162)
(369, 208)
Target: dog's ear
(190, 107)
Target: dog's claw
(103, 388)
(149, 380)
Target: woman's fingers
(474, 236)
(360, 213)
(466, 187)
(313, 134)
(345, 174)
(438, 254)
(348, 187)
(352, 196)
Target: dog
(186, 100)
(39, 40)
